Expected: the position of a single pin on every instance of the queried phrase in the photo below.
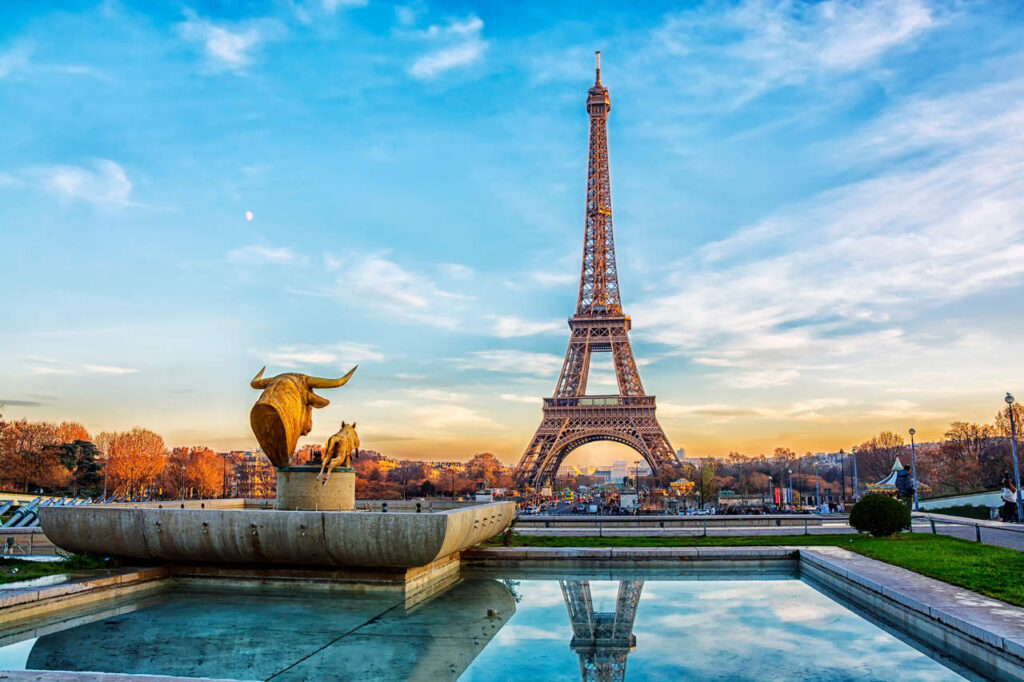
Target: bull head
(284, 411)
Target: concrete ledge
(17, 603)
(979, 631)
(673, 555)
(51, 676)
(268, 537)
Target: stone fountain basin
(264, 536)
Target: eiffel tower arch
(571, 418)
(602, 640)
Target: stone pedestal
(297, 488)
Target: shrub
(880, 515)
(85, 562)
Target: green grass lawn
(13, 570)
(990, 570)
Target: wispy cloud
(14, 60)
(106, 184)
(512, 362)
(444, 416)
(516, 398)
(387, 287)
(227, 47)
(825, 284)
(48, 366)
(549, 279)
(259, 254)
(333, 6)
(342, 355)
(510, 326)
(9, 402)
(463, 45)
(767, 44)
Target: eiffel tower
(602, 640)
(571, 417)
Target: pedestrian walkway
(1010, 535)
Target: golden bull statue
(284, 411)
(339, 450)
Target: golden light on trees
(134, 460)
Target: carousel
(898, 483)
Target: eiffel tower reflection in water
(602, 640)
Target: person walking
(1008, 513)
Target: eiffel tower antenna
(571, 417)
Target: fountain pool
(494, 624)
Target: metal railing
(977, 524)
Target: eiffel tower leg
(576, 368)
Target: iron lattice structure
(571, 417)
(602, 640)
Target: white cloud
(457, 270)
(514, 398)
(510, 326)
(512, 362)
(442, 416)
(827, 288)
(226, 47)
(257, 254)
(472, 26)
(387, 287)
(435, 395)
(767, 44)
(106, 184)
(48, 366)
(463, 46)
(107, 369)
(14, 60)
(548, 279)
(333, 6)
(342, 355)
(432, 65)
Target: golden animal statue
(339, 450)
(284, 411)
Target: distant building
(250, 475)
(620, 470)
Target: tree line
(64, 459)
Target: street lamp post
(817, 489)
(856, 487)
(913, 466)
(842, 476)
(1013, 446)
(790, 487)
(771, 490)
(636, 469)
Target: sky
(819, 214)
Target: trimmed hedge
(880, 515)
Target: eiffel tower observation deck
(571, 417)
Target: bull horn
(258, 381)
(317, 382)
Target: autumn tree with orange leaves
(134, 460)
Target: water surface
(650, 625)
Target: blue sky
(819, 213)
